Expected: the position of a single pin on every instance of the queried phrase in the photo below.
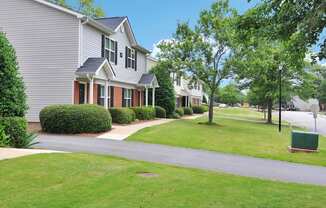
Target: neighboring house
(68, 58)
(186, 94)
(303, 105)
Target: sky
(154, 20)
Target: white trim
(109, 49)
(110, 67)
(60, 8)
(125, 19)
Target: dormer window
(111, 50)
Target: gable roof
(112, 22)
(92, 65)
(148, 80)
(60, 8)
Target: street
(305, 120)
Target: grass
(89, 181)
(239, 131)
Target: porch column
(91, 90)
(106, 95)
(153, 97)
(146, 97)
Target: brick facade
(76, 92)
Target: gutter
(97, 25)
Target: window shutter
(132, 97)
(103, 46)
(123, 96)
(99, 95)
(116, 52)
(126, 57)
(112, 96)
(135, 60)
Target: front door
(82, 93)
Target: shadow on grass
(210, 124)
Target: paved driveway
(238, 165)
(305, 120)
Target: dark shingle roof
(111, 22)
(91, 65)
(146, 79)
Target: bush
(12, 90)
(4, 139)
(205, 107)
(198, 109)
(188, 111)
(122, 115)
(180, 111)
(144, 113)
(160, 112)
(15, 131)
(174, 116)
(74, 119)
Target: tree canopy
(230, 94)
(86, 7)
(199, 53)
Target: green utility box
(305, 141)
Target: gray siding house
(68, 58)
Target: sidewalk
(9, 153)
(121, 132)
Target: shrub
(180, 111)
(74, 119)
(160, 112)
(122, 115)
(174, 116)
(15, 128)
(4, 139)
(164, 95)
(188, 111)
(205, 107)
(144, 113)
(12, 90)
(198, 109)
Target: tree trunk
(211, 109)
(270, 111)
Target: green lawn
(239, 131)
(89, 181)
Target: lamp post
(280, 98)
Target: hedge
(160, 112)
(74, 119)
(144, 113)
(188, 111)
(198, 109)
(15, 128)
(122, 115)
(180, 111)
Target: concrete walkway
(9, 153)
(121, 132)
(206, 160)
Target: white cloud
(156, 50)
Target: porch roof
(148, 80)
(93, 66)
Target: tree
(86, 7)
(200, 53)
(164, 95)
(12, 90)
(230, 94)
(299, 21)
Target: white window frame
(127, 97)
(131, 58)
(109, 51)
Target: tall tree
(230, 94)
(12, 90)
(200, 53)
(86, 7)
(164, 95)
(299, 21)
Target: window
(131, 58)
(127, 97)
(110, 50)
(101, 95)
(178, 80)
